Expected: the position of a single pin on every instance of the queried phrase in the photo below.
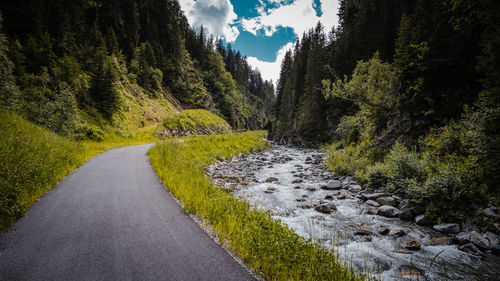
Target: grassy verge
(264, 244)
(195, 121)
(33, 160)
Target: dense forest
(408, 91)
(63, 61)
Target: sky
(262, 30)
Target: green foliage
(373, 88)
(49, 103)
(195, 120)
(103, 85)
(9, 92)
(32, 161)
(267, 246)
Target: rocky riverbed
(377, 232)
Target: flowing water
(292, 191)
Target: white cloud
(217, 16)
(299, 15)
(271, 70)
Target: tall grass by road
(270, 248)
(33, 160)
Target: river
(287, 181)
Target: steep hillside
(97, 62)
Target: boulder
(333, 185)
(406, 214)
(423, 220)
(329, 197)
(447, 228)
(341, 197)
(477, 239)
(471, 249)
(489, 212)
(492, 238)
(271, 179)
(372, 203)
(412, 245)
(372, 196)
(387, 211)
(384, 231)
(363, 233)
(355, 188)
(325, 209)
(396, 233)
(387, 201)
(297, 181)
(461, 238)
(495, 249)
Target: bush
(377, 175)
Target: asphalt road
(112, 219)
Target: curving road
(112, 219)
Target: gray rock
(387, 201)
(329, 197)
(461, 238)
(387, 211)
(369, 190)
(447, 228)
(384, 231)
(423, 220)
(372, 203)
(489, 213)
(406, 214)
(363, 233)
(372, 196)
(477, 239)
(396, 233)
(297, 181)
(492, 238)
(471, 249)
(355, 188)
(495, 249)
(412, 245)
(333, 185)
(325, 209)
(271, 179)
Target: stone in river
(297, 181)
(493, 238)
(387, 201)
(296, 187)
(384, 231)
(401, 251)
(363, 233)
(372, 203)
(372, 196)
(423, 220)
(329, 197)
(333, 185)
(461, 238)
(271, 179)
(447, 228)
(396, 233)
(412, 245)
(387, 211)
(406, 214)
(478, 240)
(325, 209)
(471, 249)
(311, 189)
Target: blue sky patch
(263, 47)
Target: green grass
(271, 249)
(33, 160)
(195, 120)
